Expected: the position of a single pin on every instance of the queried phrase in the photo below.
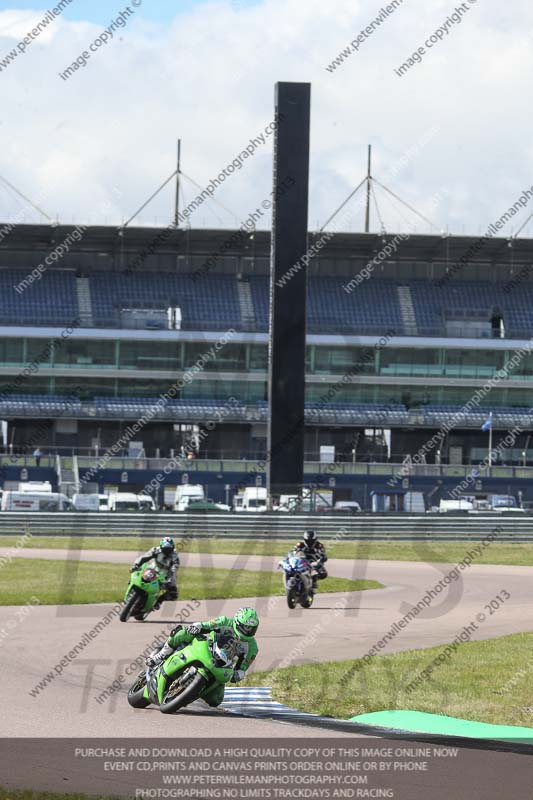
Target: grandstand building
(101, 327)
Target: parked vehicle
(290, 503)
(347, 507)
(86, 502)
(298, 581)
(207, 505)
(486, 504)
(187, 493)
(146, 502)
(496, 504)
(35, 487)
(254, 499)
(286, 503)
(44, 501)
(462, 504)
(144, 589)
(123, 502)
(104, 502)
(186, 674)
(237, 502)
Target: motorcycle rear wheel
(188, 695)
(136, 692)
(307, 601)
(134, 604)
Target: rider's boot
(159, 602)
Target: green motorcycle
(186, 675)
(144, 590)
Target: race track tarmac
(339, 626)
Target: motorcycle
(298, 581)
(144, 590)
(186, 675)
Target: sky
(450, 131)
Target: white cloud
(209, 76)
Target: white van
(237, 502)
(255, 499)
(38, 501)
(146, 502)
(35, 487)
(187, 493)
(505, 504)
(86, 502)
(287, 503)
(103, 502)
(347, 507)
(124, 501)
(463, 504)
(497, 504)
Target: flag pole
(490, 442)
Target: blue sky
(450, 136)
(101, 11)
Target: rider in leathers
(168, 560)
(315, 553)
(241, 628)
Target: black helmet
(167, 545)
(309, 537)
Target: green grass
(63, 583)
(516, 554)
(488, 681)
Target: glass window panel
(524, 368)
(11, 351)
(85, 354)
(150, 355)
(40, 350)
(339, 360)
(258, 357)
(229, 357)
(472, 363)
(409, 361)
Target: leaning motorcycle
(186, 675)
(298, 581)
(144, 590)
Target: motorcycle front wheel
(307, 601)
(134, 605)
(178, 696)
(292, 596)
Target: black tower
(288, 290)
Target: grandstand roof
(111, 240)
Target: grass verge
(487, 681)
(66, 582)
(514, 554)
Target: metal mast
(368, 179)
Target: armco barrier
(394, 527)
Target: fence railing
(311, 468)
(288, 527)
